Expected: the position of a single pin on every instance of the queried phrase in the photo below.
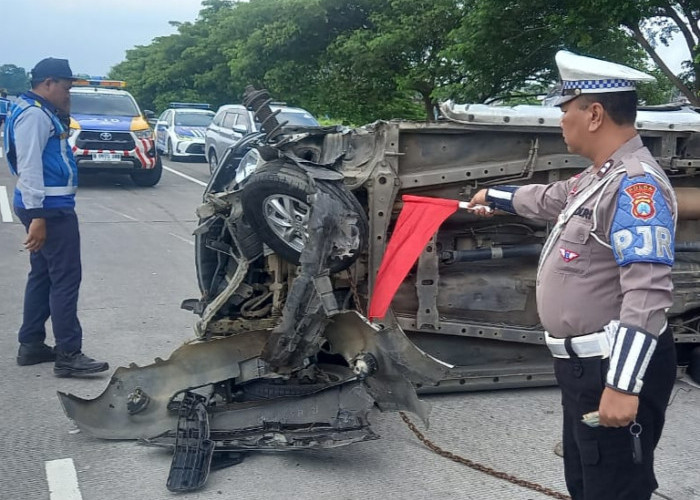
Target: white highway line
(62, 479)
(191, 179)
(182, 239)
(5, 212)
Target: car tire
(213, 162)
(288, 186)
(169, 152)
(150, 177)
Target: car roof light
(107, 84)
(195, 105)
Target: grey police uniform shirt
(33, 129)
(581, 287)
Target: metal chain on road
(479, 467)
(456, 458)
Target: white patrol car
(109, 133)
(180, 130)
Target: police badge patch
(568, 255)
(642, 198)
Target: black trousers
(53, 283)
(598, 461)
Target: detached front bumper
(142, 402)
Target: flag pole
(465, 205)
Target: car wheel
(274, 203)
(170, 153)
(150, 177)
(213, 162)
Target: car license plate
(106, 157)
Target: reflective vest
(4, 106)
(60, 169)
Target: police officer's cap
(586, 75)
(52, 68)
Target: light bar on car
(194, 105)
(108, 84)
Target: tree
(397, 58)
(186, 66)
(362, 60)
(283, 45)
(651, 23)
(13, 79)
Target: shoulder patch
(642, 228)
(642, 197)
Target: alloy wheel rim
(288, 218)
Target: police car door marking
(642, 229)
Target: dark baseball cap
(52, 68)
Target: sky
(93, 35)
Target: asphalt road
(138, 265)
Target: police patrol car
(109, 132)
(180, 130)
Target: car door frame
(162, 131)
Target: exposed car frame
(281, 330)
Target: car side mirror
(241, 129)
(162, 123)
(149, 114)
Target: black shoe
(76, 363)
(34, 353)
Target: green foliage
(661, 91)
(13, 79)
(392, 66)
(363, 60)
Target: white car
(180, 130)
(233, 121)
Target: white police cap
(587, 75)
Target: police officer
(36, 143)
(604, 282)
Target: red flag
(419, 219)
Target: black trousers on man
(598, 462)
(53, 283)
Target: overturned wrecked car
(293, 227)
